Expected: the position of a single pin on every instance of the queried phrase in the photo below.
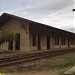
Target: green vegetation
(5, 36)
(65, 65)
(61, 73)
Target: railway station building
(33, 36)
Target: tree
(5, 37)
(10, 36)
(2, 38)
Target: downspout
(23, 26)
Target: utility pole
(74, 18)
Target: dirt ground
(46, 66)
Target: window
(34, 40)
(63, 41)
(56, 40)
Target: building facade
(33, 36)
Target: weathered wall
(43, 42)
(52, 43)
(30, 41)
(14, 25)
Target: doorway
(48, 42)
(17, 42)
(39, 42)
(10, 45)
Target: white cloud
(57, 13)
(63, 19)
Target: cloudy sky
(56, 13)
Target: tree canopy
(6, 36)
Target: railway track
(24, 58)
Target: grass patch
(64, 65)
(61, 73)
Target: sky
(56, 13)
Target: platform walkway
(70, 71)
